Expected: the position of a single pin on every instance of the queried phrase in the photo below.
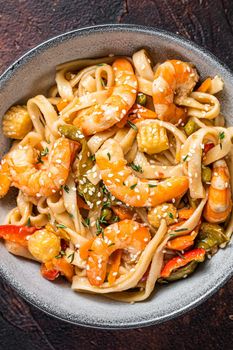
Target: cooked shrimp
(124, 185)
(5, 181)
(127, 234)
(219, 203)
(174, 80)
(19, 168)
(102, 117)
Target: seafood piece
(20, 169)
(174, 80)
(44, 245)
(127, 187)
(16, 123)
(127, 234)
(219, 203)
(124, 93)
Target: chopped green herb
(181, 229)
(71, 215)
(171, 215)
(60, 226)
(49, 217)
(71, 257)
(86, 222)
(133, 186)
(111, 244)
(172, 235)
(61, 254)
(137, 168)
(115, 219)
(100, 64)
(102, 219)
(109, 156)
(66, 188)
(221, 135)
(99, 228)
(185, 157)
(92, 157)
(44, 152)
(151, 185)
(132, 125)
(28, 222)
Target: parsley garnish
(71, 257)
(115, 219)
(151, 185)
(132, 125)
(42, 154)
(61, 254)
(71, 215)
(185, 158)
(181, 229)
(28, 224)
(109, 156)
(137, 168)
(221, 135)
(86, 222)
(99, 228)
(133, 186)
(60, 226)
(171, 215)
(92, 157)
(66, 188)
(111, 244)
(172, 234)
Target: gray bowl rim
(6, 75)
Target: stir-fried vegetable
(197, 255)
(141, 99)
(86, 189)
(180, 273)
(210, 236)
(190, 127)
(152, 138)
(17, 234)
(206, 174)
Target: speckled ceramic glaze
(34, 73)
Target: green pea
(141, 99)
(206, 174)
(190, 127)
(107, 214)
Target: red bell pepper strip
(197, 254)
(49, 274)
(208, 147)
(17, 234)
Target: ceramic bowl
(33, 73)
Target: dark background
(24, 24)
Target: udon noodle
(124, 174)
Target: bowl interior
(32, 75)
